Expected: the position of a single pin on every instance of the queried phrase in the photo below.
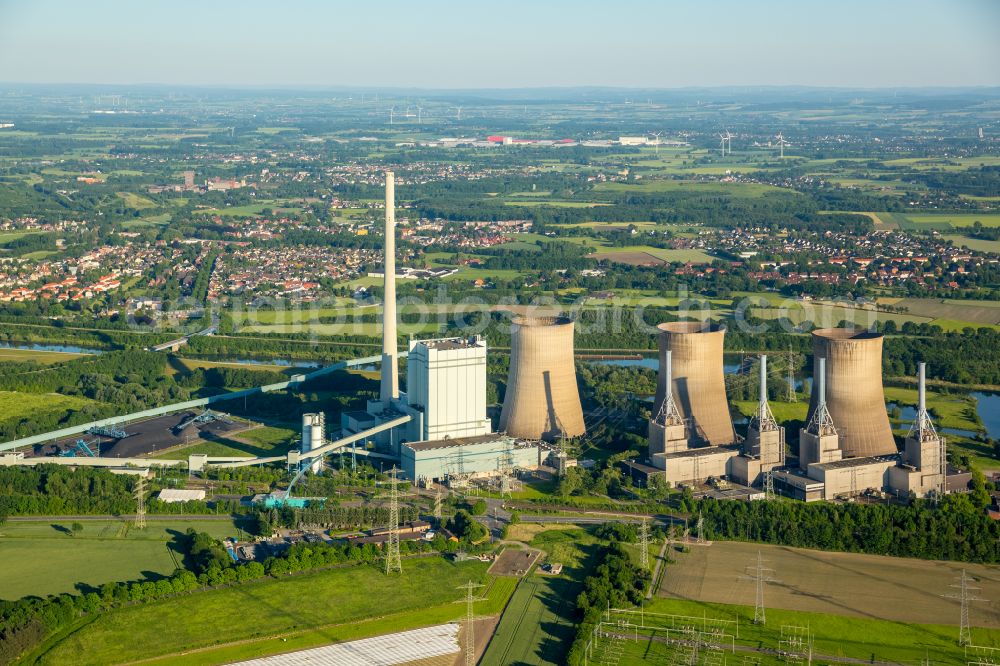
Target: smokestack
(668, 371)
(763, 384)
(389, 388)
(697, 382)
(820, 422)
(542, 399)
(921, 391)
(853, 390)
(821, 383)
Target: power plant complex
(846, 448)
(445, 434)
(438, 429)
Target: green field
(532, 630)
(42, 557)
(538, 625)
(977, 244)
(973, 312)
(740, 190)
(22, 355)
(858, 606)
(269, 608)
(494, 598)
(260, 442)
(14, 404)
(240, 211)
(946, 221)
(136, 201)
(630, 254)
(864, 640)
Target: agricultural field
(643, 255)
(851, 584)
(36, 356)
(45, 557)
(136, 201)
(538, 625)
(977, 244)
(835, 638)
(945, 221)
(14, 404)
(272, 608)
(738, 190)
(974, 312)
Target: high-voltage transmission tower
(470, 619)
(768, 486)
(644, 545)
(700, 527)
(140, 503)
(760, 575)
(437, 503)
(965, 595)
(392, 560)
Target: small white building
(172, 495)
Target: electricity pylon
(964, 596)
(140, 503)
(760, 575)
(392, 559)
(644, 545)
(437, 503)
(470, 619)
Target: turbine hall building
(484, 455)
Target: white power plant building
(446, 383)
(313, 436)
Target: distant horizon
(451, 45)
(744, 87)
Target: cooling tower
(699, 385)
(854, 394)
(542, 399)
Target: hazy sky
(515, 43)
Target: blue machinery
(83, 447)
(110, 430)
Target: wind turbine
(392, 110)
(656, 136)
(722, 144)
(458, 116)
(781, 145)
(420, 111)
(729, 142)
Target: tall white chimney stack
(389, 389)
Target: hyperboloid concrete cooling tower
(699, 383)
(854, 392)
(542, 399)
